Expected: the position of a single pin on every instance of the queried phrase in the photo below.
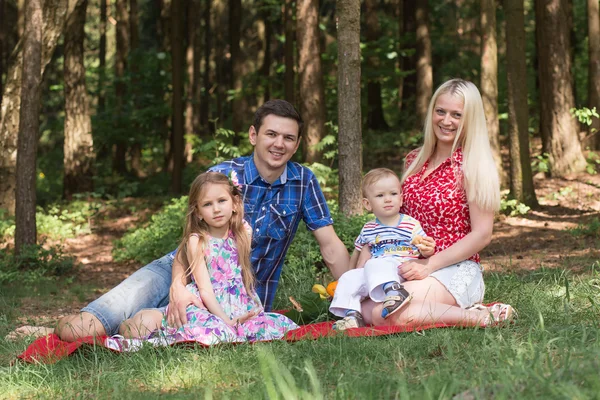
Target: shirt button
(264, 208)
(284, 213)
(256, 229)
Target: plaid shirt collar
(251, 173)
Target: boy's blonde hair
(479, 174)
(195, 225)
(373, 176)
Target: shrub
(34, 263)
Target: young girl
(215, 248)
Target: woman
(451, 186)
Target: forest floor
(543, 238)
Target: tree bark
(2, 41)
(289, 86)
(122, 38)
(375, 117)
(135, 150)
(424, 71)
(102, 56)
(205, 100)
(197, 16)
(489, 80)
(55, 15)
(177, 57)
(594, 69)
(29, 126)
(400, 62)
(78, 146)
(410, 61)
(239, 104)
(312, 96)
(189, 70)
(556, 87)
(349, 110)
(265, 69)
(521, 179)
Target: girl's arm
(195, 255)
(482, 223)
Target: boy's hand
(425, 244)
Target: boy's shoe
(395, 302)
(354, 320)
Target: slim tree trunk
(400, 63)
(410, 61)
(57, 12)
(29, 126)
(2, 41)
(78, 146)
(375, 117)
(265, 69)
(594, 68)
(177, 57)
(21, 17)
(239, 104)
(189, 70)
(197, 16)
(312, 96)
(134, 49)
(349, 112)
(556, 87)
(205, 100)
(122, 37)
(424, 72)
(102, 57)
(521, 179)
(489, 80)
(289, 86)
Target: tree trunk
(2, 41)
(556, 87)
(489, 80)
(78, 146)
(424, 72)
(289, 86)
(521, 179)
(400, 62)
(177, 57)
(375, 117)
(135, 150)
(21, 18)
(265, 69)
(57, 12)
(594, 69)
(102, 57)
(122, 37)
(189, 70)
(409, 62)
(29, 126)
(239, 104)
(205, 101)
(349, 112)
(221, 72)
(197, 16)
(312, 96)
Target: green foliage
(160, 236)
(34, 264)
(593, 162)
(584, 115)
(220, 147)
(541, 163)
(590, 229)
(513, 207)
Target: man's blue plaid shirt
(274, 211)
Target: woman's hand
(426, 246)
(415, 270)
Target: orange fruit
(331, 288)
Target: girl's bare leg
(141, 324)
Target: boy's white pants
(357, 284)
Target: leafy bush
(591, 229)
(513, 207)
(34, 264)
(157, 239)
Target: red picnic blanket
(50, 349)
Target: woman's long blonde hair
(193, 224)
(479, 174)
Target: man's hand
(415, 270)
(179, 299)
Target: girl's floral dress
(226, 277)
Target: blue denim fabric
(148, 287)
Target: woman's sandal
(499, 313)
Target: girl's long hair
(479, 174)
(193, 224)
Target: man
(277, 194)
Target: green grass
(551, 352)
